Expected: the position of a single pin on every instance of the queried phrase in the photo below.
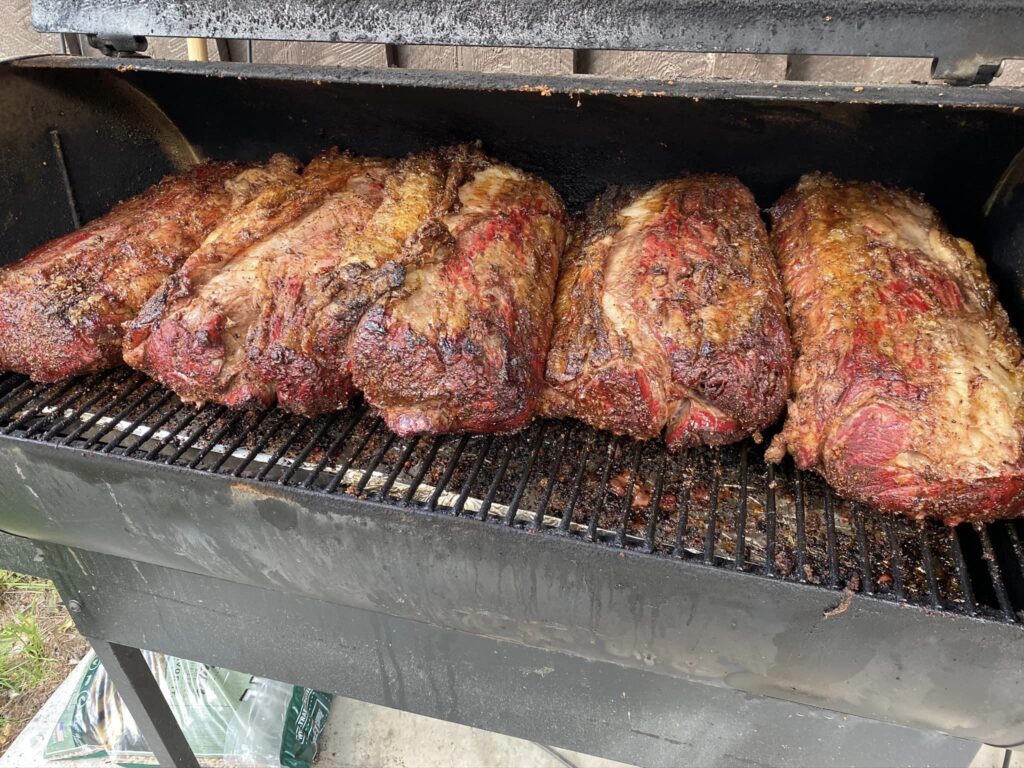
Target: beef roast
(325, 276)
(201, 334)
(62, 306)
(669, 316)
(458, 343)
(907, 387)
(318, 299)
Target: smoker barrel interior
(92, 134)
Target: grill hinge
(119, 46)
(974, 70)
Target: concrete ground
(358, 735)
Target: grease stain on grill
(281, 513)
(722, 507)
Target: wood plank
(1012, 74)
(18, 38)
(237, 50)
(444, 57)
(665, 66)
(860, 69)
(749, 66)
(175, 48)
(526, 61)
(531, 61)
(320, 54)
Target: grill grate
(723, 507)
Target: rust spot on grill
(844, 604)
(262, 494)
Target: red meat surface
(459, 342)
(669, 317)
(908, 382)
(62, 307)
(201, 334)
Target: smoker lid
(965, 37)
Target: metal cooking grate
(725, 507)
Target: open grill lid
(967, 39)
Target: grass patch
(38, 646)
(23, 660)
(11, 582)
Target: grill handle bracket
(119, 46)
(973, 70)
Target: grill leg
(142, 696)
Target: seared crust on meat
(669, 316)
(907, 388)
(284, 348)
(425, 282)
(190, 335)
(223, 328)
(368, 263)
(63, 305)
(459, 343)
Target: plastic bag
(229, 718)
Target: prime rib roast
(217, 330)
(908, 382)
(459, 344)
(63, 305)
(669, 316)
(426, 283)
(302, 342)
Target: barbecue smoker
(560, 584)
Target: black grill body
(560, 584)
